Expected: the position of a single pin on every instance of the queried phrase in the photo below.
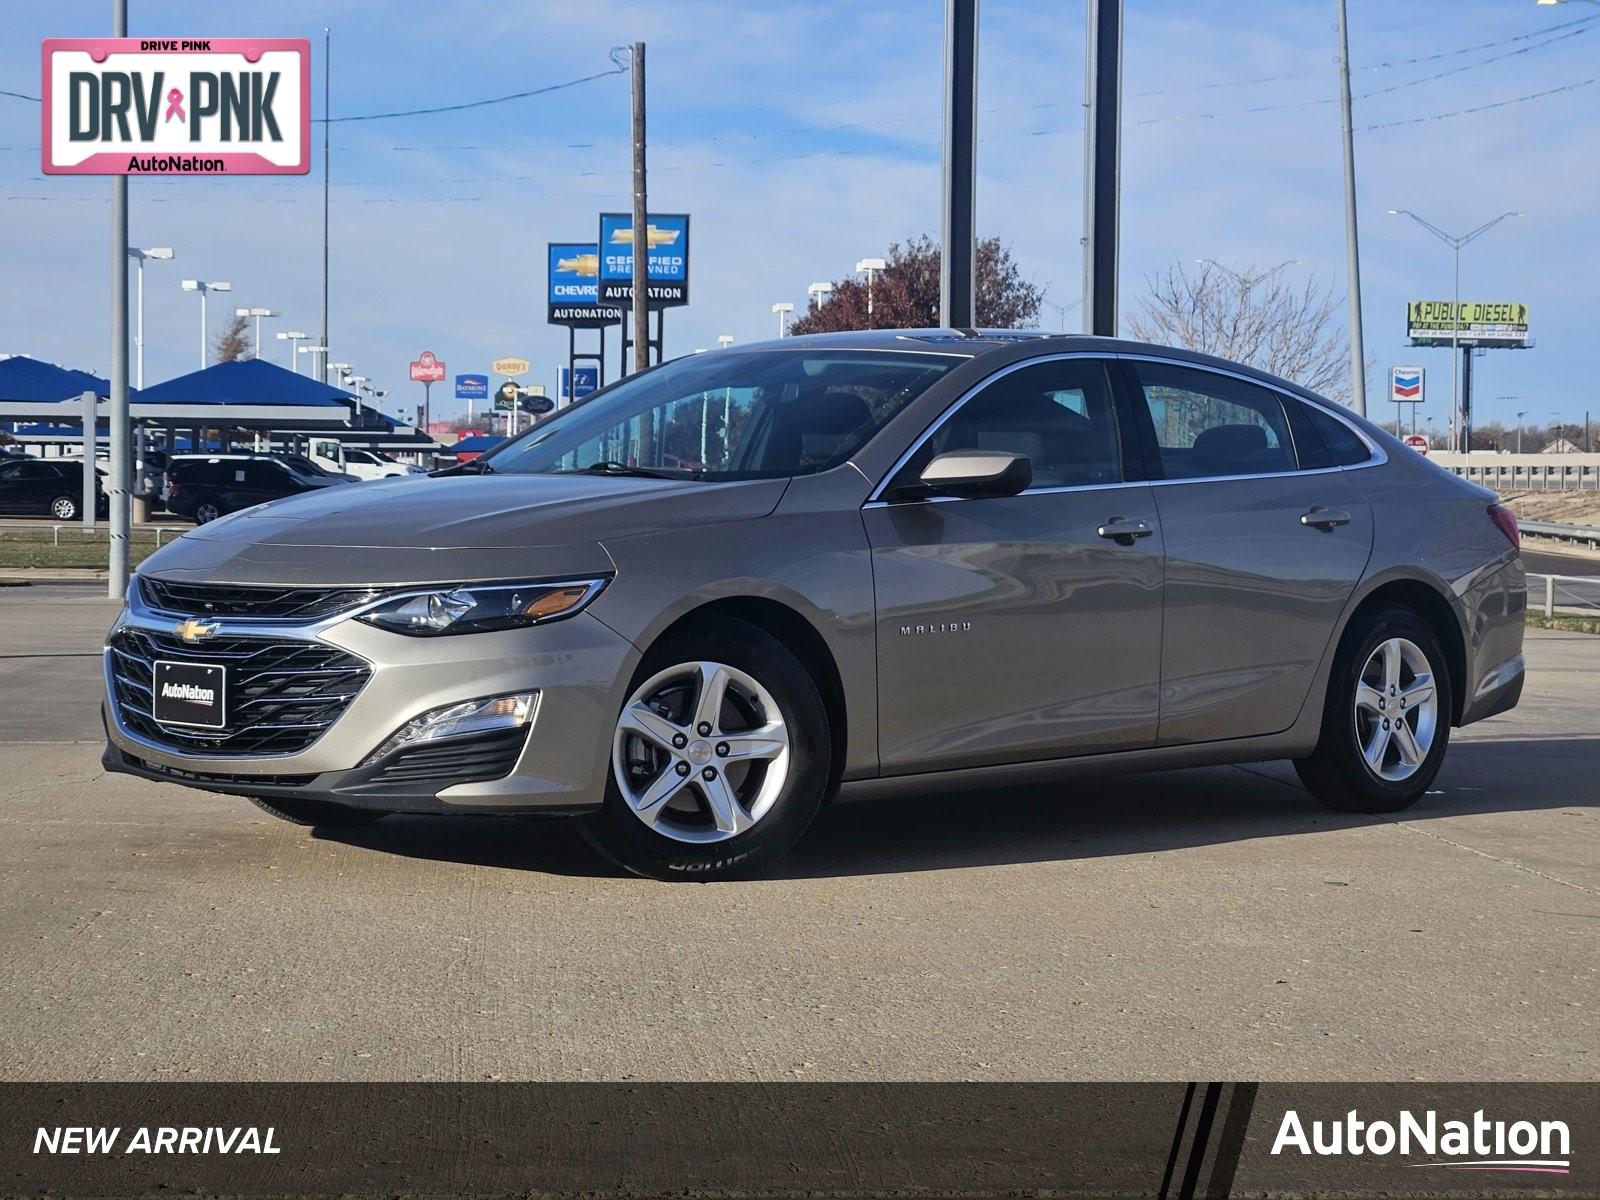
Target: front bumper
(578, 666)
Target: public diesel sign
(176, 106)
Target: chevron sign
(1405, 385)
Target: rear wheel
(64, 508)
(1387, 720)
(316, 812)
(720, 757)
(206, 510)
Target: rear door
(1025, 627)
(1262, 552)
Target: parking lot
(1207, 924)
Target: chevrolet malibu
(697, 605)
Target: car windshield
(730, 414)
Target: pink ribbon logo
(175, 106)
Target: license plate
(194, 694)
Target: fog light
(462, 720)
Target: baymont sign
(176, 106)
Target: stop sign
(1418, 443)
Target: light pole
(294, 337)
(202, 286)
(334, 370)
(1463, 434)
(867, 267)
(160, 252)
(257, 313)
(818, 292)
(1521, 412)
(315, 372)
(783, 308)
(1063, 309)
(1248, 282)
(724, 340)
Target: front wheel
(64, 508)
(1387, 719)
(720, 757)
(316, 812)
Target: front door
(1027, 627)
(1261, 555)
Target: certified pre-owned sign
(177, 106)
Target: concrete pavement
(1203, 924)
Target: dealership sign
(472, 387)
(176, 106)
(574, 289)
(427, 368)
(667, 242)
(1405, 385)
(1502, 323)
(577, 382)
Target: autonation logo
(1476, 1145)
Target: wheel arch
(790, 627)
(1433, 605)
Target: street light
(202, 286)
(867, 266)
(328, 368)
(257, 313)
(159, 252)
(724, 340)
(1063, 309)
(314, 373)
(783, 308)
(1248, 282)
(294, 337)
(1455, 243)
(818, 292)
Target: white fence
(1564, 593)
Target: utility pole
(1102, 185)
(641, 221)
(117, 410)
(1352, 242)
(327, 163)
(958, 292)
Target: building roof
(29, 380)
(252, 381)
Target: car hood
(453, 529)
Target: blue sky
(803, 137)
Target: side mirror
(977, 473)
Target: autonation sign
(574, 297)
(176, 106)
(667, 268)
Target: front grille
(220, 600)
(282, 695)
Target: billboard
(1405, 385)
(472, 387)
(176, 106)
(574, 383)
(574, 287)
(510, 366)
(667, 239)
(427, 368)
(1501, 323)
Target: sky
(805, 136)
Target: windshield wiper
(608, 466)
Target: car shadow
(1077, 819)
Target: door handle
(1123, 531)
(1320, 517)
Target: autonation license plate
(194, 694)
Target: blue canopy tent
(30, 381)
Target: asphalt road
(1212, 924)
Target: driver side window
(1059, 414)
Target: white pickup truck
(332, 455)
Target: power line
(1461, 112)
(617, 68)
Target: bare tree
(233, 343)
(1251, 316)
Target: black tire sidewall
(1339, 753)
(626, 840)
(72, 516)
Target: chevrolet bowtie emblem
(193, 631)
(653, 235)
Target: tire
(206, 511)
(1377, 673)
(64, 508)
(664, 816)
(317, 812)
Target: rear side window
(1213, 425)
(1343, 444)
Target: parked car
(304, 465)
(902, 559)
(49, 486)
(204, 488)
(369, 464)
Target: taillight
(1507, 520)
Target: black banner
(753, 1140)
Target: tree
(905, 295)
(233, 343)
(1251, 316)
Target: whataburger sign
(176, 106)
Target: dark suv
(204, 489)
(44, 485)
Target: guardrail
(1566, 592)
(1533, 477)
(1571, 533)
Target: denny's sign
(176, 106)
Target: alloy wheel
(63, 509)
(1396, 709)
(206, 513)
(701, 752)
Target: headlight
(482, 608)
(462, 720)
